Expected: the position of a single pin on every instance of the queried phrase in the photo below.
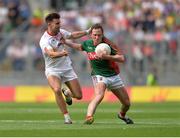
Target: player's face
(97, 36)
(55, 25)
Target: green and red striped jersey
(104, 68)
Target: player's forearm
(117, 58)
(78, 34)
(56, 54)
(73, 45)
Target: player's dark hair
(52, 16)
(97, 26)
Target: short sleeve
(83, 46)
(66, 34)
(48, 47)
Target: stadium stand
(147, 31)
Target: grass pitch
(45, 120)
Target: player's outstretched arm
(73, 45)
(79, 34)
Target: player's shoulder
(88, 42)
(65, 33)
(45, 35)
(62, 30)
(44, 38)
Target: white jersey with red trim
(55, 64)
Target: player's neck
(51, 33)
(96, 43)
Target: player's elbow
(122, 58)
(79, 48)
(50, 55)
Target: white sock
(67, 117)
(66, 92)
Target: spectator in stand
(13, 14)
(3, 14)
(137, 61)
(152, 79)
(24, 9)
(17, 52)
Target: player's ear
(48, 23)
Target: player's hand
(64, 52)
(101, 55)
(62, 40)
(88, 31)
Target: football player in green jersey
(105, 73)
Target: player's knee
(79, 96)
(99, 97)
(56, 90)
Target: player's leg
(67, 94)
(122, 95)
(70, 79)
(100, 88)
(75, 89)
(55, 84)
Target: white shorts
(65, 76)
(112, 82)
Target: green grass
(44, 119)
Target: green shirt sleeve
(83, 45)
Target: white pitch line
(25, 110)
(78, 125)
(29, 121)
(101, 122)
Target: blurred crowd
(13, 13)
(147, 31)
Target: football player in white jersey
(58, 68)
